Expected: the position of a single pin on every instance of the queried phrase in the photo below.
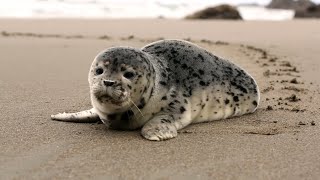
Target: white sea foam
(262, 13)
(128, 9)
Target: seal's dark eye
(99, 71)
(128, 75)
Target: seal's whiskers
(136, 107)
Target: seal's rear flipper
(87, 116)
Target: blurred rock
(297, 5)
(310, 12)
(218, 12)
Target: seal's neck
(150, 87)
(122, 121)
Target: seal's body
(164, 87)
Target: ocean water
(129, 9)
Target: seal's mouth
(116, 97)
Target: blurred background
(246, 9)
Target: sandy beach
(43, 71)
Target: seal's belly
(215, 104)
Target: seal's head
(119, 77)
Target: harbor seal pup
(164, 87)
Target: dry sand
(43, 70)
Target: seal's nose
(108, 82)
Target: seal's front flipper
(87, 116)
(163, 127)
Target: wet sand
(44, 67)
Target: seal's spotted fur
(175, 83)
